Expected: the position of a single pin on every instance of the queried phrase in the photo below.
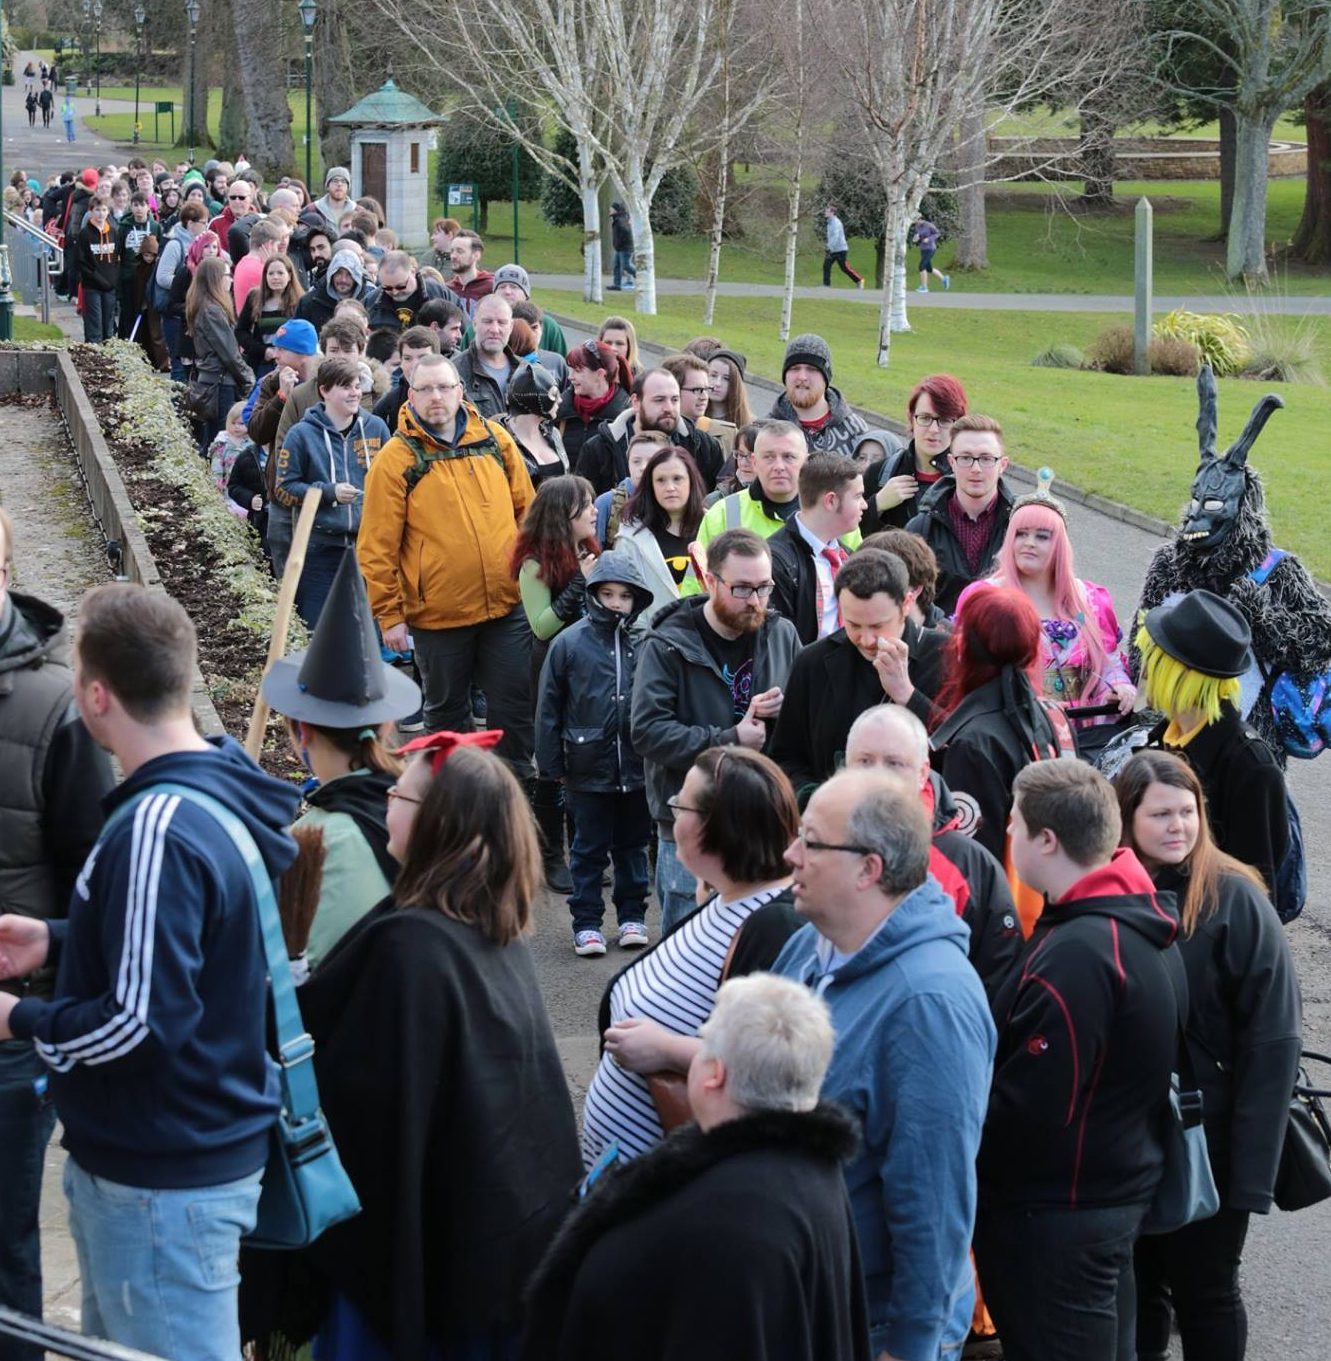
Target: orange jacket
(438, 557)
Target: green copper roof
(388, 107)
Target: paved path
(42, 152)
(958, 299)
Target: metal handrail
(61, 1342)
(22, 223)
(31, 267)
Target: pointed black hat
(341, 680)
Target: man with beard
(810, 400)
(711, 673)
(487, 364)
(964, 518)
(403, 292)
(654, 404)
(469, 283)
(446, 320)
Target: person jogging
(837, 250)
(925, 235)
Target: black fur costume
(1223, 537)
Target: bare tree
(1274, 54)
(263, 38)
(725, 93)
(971, 153)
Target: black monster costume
(1223, 540)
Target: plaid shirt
(973, 535)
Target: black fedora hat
(1204, 632)
(340, 680)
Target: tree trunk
(336, 86)
(1228, 151)
(1095, 154)
(233, 122)
(1312, 239)
(900, 321)
(196, 98)
(262, 74)
(718, 230)
(792, 242)
(1245, 253)
(892, 310)
(973, 231)
(588, 192)
(879, 261)
(644, 244)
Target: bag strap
(1268, 564)
(295, 1047)
(1189, 1093)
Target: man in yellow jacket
(443, 502)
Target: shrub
(674, 210)
(560, 204)
(1060, 356)
(1284, 350)
(1112, 350)
(1222, 340)
(1174, 357)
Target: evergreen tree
(560, 204)
(471, 150)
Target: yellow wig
(1175, 689)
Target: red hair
(994, 629)
(545, 535)
(944, 391)
(595, 354)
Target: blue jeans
(675, 886)
(26, 1122)
(614, 825)
(160, 1268)
(623, 266)
(99, 315)
(322, 559)
(173, 331)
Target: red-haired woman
(599, 387)
(555, 549)
(993, 723)
(893, 486)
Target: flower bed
(207, 557)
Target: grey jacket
(681, 702)
(478, 387)
(216, 352)
(841, 433)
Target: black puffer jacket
(1245, 1020)
(575, 431)
(934, 525)
(884, 470)
(604, 460)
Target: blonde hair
(1173, 688)
(237, 409)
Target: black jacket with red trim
(975, 881)
(1087, 1037)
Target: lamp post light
(192, 9)
(139, 17)
(97, 15)
(6, 279)
(87, 65)
(308, 11)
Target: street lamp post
(192, 9)
(139, 16)
(87, 32)
(6, 279)
(97, 15)
(308, 10)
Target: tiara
(1041, 496)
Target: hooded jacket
(99, 261)
(1244, 1035)
(397, 314)
(318, 305)
(934, 525)
(1088, 1034)
(681, 702)
(437, 556)
(604, 462)
(838, 436)
(52, 774)
(316, 453)
(914, 1044)
(765, 1190)
(156, 1034)
(585, 696)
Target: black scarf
(363, 797)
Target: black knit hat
(735, 357)
(808, 349)
(529, 390)
(1204, 632)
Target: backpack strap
(425, 457)
(1268, 564)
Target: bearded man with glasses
(964, 518)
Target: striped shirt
(675, 984)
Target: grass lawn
(29, 328)
(1130, 439)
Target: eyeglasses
(698, 392)
(810, 845)
(928, 418)
(393, 792)
(975, 460)
(747, 592)
(398, 290)
(436, 389)
(234, 197)
(676, 807)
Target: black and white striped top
(675, 985)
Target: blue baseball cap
(296, 335)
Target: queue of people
(886, 1072)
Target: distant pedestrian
(30, 103)
(67, 114)
(925, 235)
(837, 250)
(46, 102)
(621, 239)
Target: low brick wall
(1136, 158)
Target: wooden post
(286, 599)
(1142, 329)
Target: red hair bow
(441, 745)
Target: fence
(61, 1342)
(33, 255)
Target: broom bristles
(299, 888)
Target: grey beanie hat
(337, 172)
(512, 274)
(808, 349)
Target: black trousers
(1198, 1269)
(1059, 1283)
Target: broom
(298, 896)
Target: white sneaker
(588, 943)
(632, 936)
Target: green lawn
(29, 328)
(1130, 439)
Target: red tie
(836, 555)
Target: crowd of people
(887, 1070)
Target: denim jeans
(614, 825)
(494, 656)
(160, 1268)
(322, 559)
(1059, 1283)
(26, 1122)
(173, 331)
(624, 266)
(99, 315)
(675, 886)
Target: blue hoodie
(156, 1035)
(914, 1052)
(316, 453)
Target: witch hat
(341, 680)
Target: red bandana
(441, 745)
